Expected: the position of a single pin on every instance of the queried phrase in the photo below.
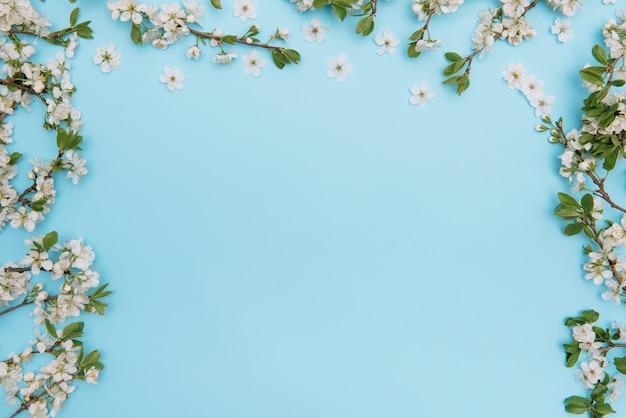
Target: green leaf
(462, 84)
(587, 203)
(293, 55)
(50, 328)
(618, 83)
(74, 16)
(340, 11)
(574, 229)
(365, 25)
(50, 239)
(590, 316)
(453, 57)
(411, 51)
(603, 409)
(594, 75)
(572, 358)
(453, 68)
(599, 54)
(611, 160)
(416, 35)
(216, 3)
(85, 31)
(91, 358)
(278, 59)
(576, 405)
(318, 4)
(38, 205)
(620, 364)
(568, 201)
(14, 157)
(135, 34)
(73, 330)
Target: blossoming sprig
(23, 81)
(280, 55)
(44, 393)
(37, 26)
(595, 343)
(596, 146)
(71, 261)
(70, 264)
(166, 24)
(425, 10)
(341, 8)
(506, 22)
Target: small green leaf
(135, 34)
(416, 35)
(50, 239)
(590, 316)
(587, 203)
(74, 16)
(611, 160)
(568, 201)
(599, 54)
(576, 405)
(462, 84)
(50, 328)
(603, 409)
(594, 75)
(341, 12)
(14, 158)
(216, 3)
(453, 68)
(411, 51)
(453, 57)
(574, 229)
(365, 25)
(73, 330)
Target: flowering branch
(167, 24)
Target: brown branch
(242, 41)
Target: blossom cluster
(425, 10)
(22, 285)
(595, 372)
(21, 82)
(166, 24)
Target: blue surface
(290, 246)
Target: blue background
(290, 246)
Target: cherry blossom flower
(563, 29)
(245, 9)
(315, 31)
(420, 94)
(339, 68)
(173, 77)
(387, 42)
(253, 63)
(107, 58)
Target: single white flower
(421, 94)
(315, 31)
(542, 105)
(193, 52)
(107, 58)
(253, 63)
(515, 76)
(173, 77)
(339, 68)
(387, 42)
(563, 29)
(245, 9)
